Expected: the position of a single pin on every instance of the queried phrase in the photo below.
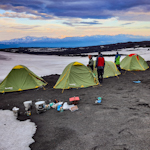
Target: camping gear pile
(41, 106)
(60, 106)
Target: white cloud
(37, 16)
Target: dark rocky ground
(121, 122)
(78, 51)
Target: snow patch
(15, 134)
(43, 65)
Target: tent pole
(62, 90)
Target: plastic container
(15, 111)
(28, 113)
(61, 109)
(51, 104)
(58, 107)
(27, 105)
(47, 107)
(37, 104)
(137, 81)
(99, 98)
(40, 106)
(98, 101)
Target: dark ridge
(77, 51)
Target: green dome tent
(110, 69)
(21, 78)
(133, 62)
(76, 75)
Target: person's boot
(99, 81)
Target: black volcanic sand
(121, 122)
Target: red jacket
(100, 62)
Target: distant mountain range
(67, 42)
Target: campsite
(120, 122)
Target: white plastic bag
(66, 106)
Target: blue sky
(69, 18)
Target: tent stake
(44, 88)
(125, 73)
(133, 73)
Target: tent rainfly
(134, 62)
(21, 78)
(76, 75)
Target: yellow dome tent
(21, 78)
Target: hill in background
(77, 50)
(70, 42)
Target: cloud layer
(69, 18)
(95, 9)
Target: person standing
(100, 64)
(117, 61)
(91, 62)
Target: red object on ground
(74, 99)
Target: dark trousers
(91, 67)
(118, 67)
(100, 73)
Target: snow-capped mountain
(44, 41)
(26, 39)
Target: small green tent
(133, 62)
(21, 78)
(76, 75)
(110, 69)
